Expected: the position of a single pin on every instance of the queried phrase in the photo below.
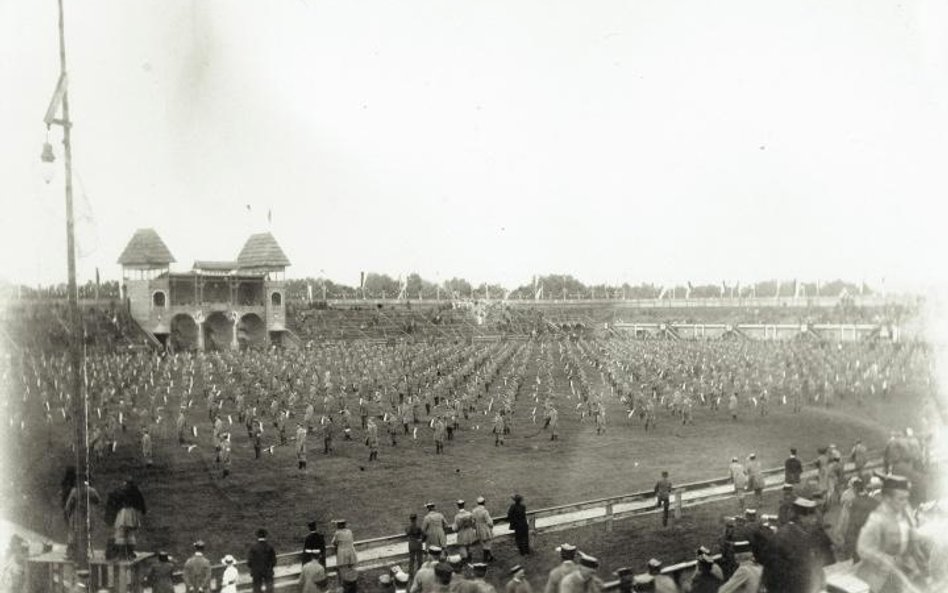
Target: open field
(188, 498)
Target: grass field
(189, 499)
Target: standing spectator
(568, 565)
(517, 519)
(755, 479)
(160, 575)
(416, 540)
(857, 514)
(14, 566)
(663, 582)
(484, 527)
(147, 450)
(584, 579)
(261, 559)
(746, 579)
(739, 478)
(887, 544)
(859, 456)
(344, 543)
(425, 580)
(315, 541)
(792, 468)
(71, 499)
(434, 525)
(785, 510)
(790, 563)
(627, 578)
(312, 574)
(518, 582)
(131, 508)
(704, 580)
(478, 584)
(663, 490)
(464, 528)
(197, 571)
(229, 578)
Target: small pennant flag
(191, 448)
(229, 419)
(194, 431)
(414, 433)
(114, 446)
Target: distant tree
(457, 287)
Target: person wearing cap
(792, 468)
(161, 574)
(442, 578)
(261, 559)
(704, 579)
(477, 582)
(197, 571)
(301, 433)
(517, 519)
(401, 580)
(372, 439)
(644, 583)
(746, 579)
(424, 580)
(518, 582)
(739, 478)
(856, 515)
(344, 542)
(663, 489)
(785, 510)
(230, 575)
(484, 528)
(790, 563)
(859, 455)
(626, 578)
(584, 579)
(464, 528)
(416, 541)
(663, 582)
(315, 541)
(755, 479)
(434, 526)
(887, 544)
(566, 566)
(313, 577)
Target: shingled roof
(146, 249)
(262, 251)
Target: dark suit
(790, 562)
(316, 541)
(260, 560)
(792, 468)
(517, 517)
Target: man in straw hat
(197, 571)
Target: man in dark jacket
(517, 518)
(161, 574)
(792, 468)
(316, 541)
(791, 564)
(260, 560)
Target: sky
(619, 141)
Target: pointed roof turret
(261, 251)
(146, 250)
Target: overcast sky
(654, 141)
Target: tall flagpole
(79, 411)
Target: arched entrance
(252, 332)
(184, 333)
(218, 331)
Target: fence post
(532, 523)
(678, 504)
(609, 517)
